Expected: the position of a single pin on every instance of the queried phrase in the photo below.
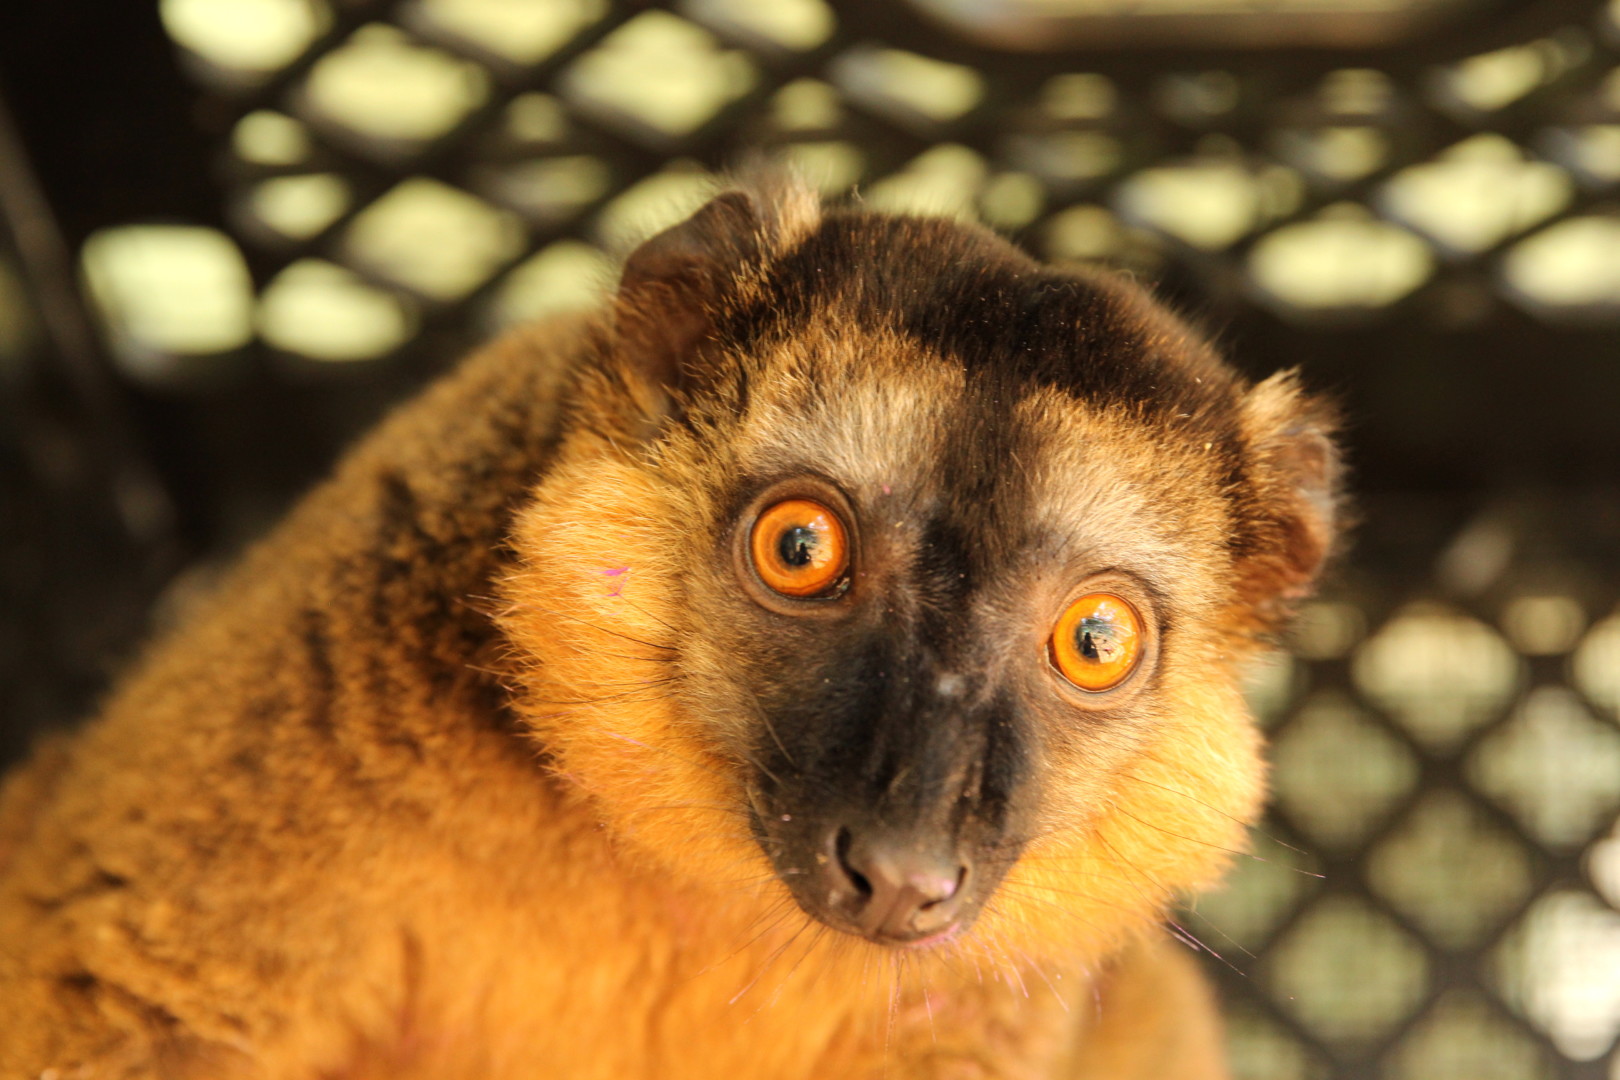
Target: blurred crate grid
(390, 161)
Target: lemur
(822, 661)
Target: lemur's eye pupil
(800, 548)
(796, 546)
(1088, 648)
(1097, 642)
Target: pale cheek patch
(592, 609)
(1131, 819)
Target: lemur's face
(932, 597)
(947, 609)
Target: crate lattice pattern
(1447, 757)
(393, 167)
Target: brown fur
(346, 824)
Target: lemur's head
(924, 573)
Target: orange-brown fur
(413, 795)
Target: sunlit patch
(382, 86)
(1558, 969)
(166, 290)
(657, 78)
(325, 312)
(245, 38)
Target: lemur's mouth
(950, 933)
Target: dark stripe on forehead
(984, 474)
(966, 294)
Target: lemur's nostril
(948, 890)
(856, 878)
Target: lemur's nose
(893, 888)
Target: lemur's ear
(675, 285)
(1295, 474)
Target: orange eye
(1097, 641)
(799, 548)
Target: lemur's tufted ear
(673, 284)
(676, 284)
(1293, 512)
